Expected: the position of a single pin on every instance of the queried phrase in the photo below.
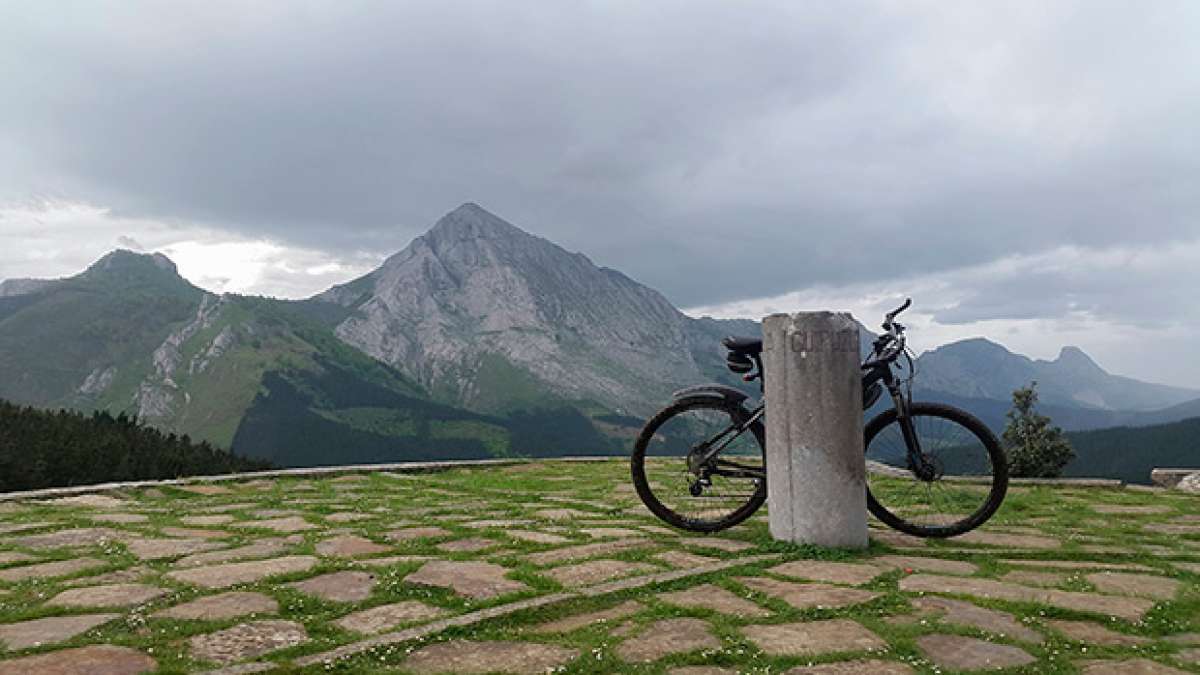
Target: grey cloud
(715, 151)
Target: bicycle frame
(879, 372)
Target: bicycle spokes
(686, 483)
(944, 480)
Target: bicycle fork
(918, 462)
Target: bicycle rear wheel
(963, 482)
(706, 498)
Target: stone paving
(555, 566)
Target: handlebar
(887, 321)
(889, 345)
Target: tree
(1036, 448)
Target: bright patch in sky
(54, 239)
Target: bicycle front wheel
(704, 497)
(959, 481)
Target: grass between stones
(485, 503)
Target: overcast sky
(1027, 171)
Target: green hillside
(1129, 453)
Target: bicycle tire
(641, 481)
(999, 463)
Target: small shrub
(1036, 448)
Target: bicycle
(933, 470)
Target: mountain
(1129, 453)
(981, 369)
(266, 378)
(490, 317)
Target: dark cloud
(715, 151)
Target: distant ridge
(980, 368)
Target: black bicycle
(933, 470)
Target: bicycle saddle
(743, 345)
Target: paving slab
(503, 523)
(577, 621)
(207, 521)
(195, 533)
(120, 518)
(476, 658)
(10, 557)
(49, 570)
(349, 546)
(221, 606)
(967, 614)
(72, 538)
(537, 537)
(247, 640)
(282, 525)
(923, 564)
(897, 539)
(224, 576)
(93, 660)
(812, 638)
(1094, 634)
(259, 549)
(387, 617)
(479, 580)
(390, 560)
(51, 630)
(338, 586)
(1128, 608)
(611, 532)
(596, 571)
(807, 596)
(564, 514)
(709, 596)
(468, 545)
(1184, 638)
(1075, 565)
(864, 667)
(159, 549)
(21, 527)
(684, 559)
(967, 653)
(586, 551)
(666, 637)
(1007, 540)
(852, 574)
(112, 595)
(410, 533)
(727, 545)
(347, 517)
(1128, 667)
(1160, 588)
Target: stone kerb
(299, 472)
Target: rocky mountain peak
(476, 297)
(128, 270)
(1074, 358)
(123, 261)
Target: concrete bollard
(816, 471)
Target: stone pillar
(816, 471)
